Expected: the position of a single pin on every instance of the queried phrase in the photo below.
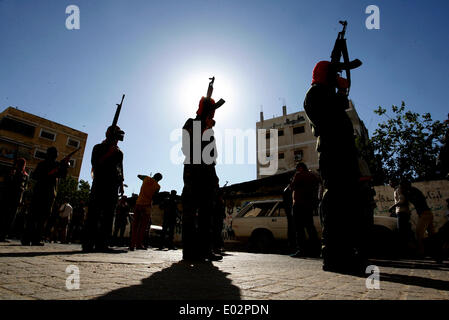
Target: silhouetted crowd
(341, 194)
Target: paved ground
(40, 273)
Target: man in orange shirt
(142, 210)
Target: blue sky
(261, 52)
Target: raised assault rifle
(341, 49)
(210, 89)
(119, 133)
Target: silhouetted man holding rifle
(107, 170)
(46, 176)
(325, 105)
(200, 181)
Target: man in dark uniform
(121, 220)
(107, 169)
(16, 183)
(169, 222)
(339, 169)
(305, 200)
(46, 175)
(200, 183)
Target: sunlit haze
(161, 54)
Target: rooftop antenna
(284, 102)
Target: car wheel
(262, 241)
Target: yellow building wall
(39, 143)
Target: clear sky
(160, 54)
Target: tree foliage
(76, 193)
(407, 144)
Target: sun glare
(194, 86)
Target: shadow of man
(181, 281)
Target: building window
(72, 163)
(47, 135)
(280, 133)
(17, 127)
(39, 154)
(73, 143)
(298, 155)
(281, 155)
(267, 135)
(297, 130)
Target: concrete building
(24, 135)
(296, 140)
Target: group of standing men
(404, 195)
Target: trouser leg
(143, 229)
(163, 233)
(205, 225)
(135, 229)
(299, 228)
(171, 233)
(313, 235)
(106, 221)
(188, 224)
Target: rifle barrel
(117, 112)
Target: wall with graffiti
(436, 193)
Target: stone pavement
(40, 273)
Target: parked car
(261, 223)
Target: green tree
(76, 193)
(407, 144)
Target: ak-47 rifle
(210, 89)
(119, 133)
(65, 160)
(67, 157)
(341, 49)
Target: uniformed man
(338, 161)
(46, 176)
(305, 199)
(16, 183)
(107, 169)
(169, 222)
(200, 183)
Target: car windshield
(258, 210)
(279, 211)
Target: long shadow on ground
(415, 281)
(49, 253)
(415, 264)
(181, 281)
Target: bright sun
(193, 86)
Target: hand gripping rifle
(210, 89)
(67, 157)
(65, 160)
(340, 49)
(119, 134)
